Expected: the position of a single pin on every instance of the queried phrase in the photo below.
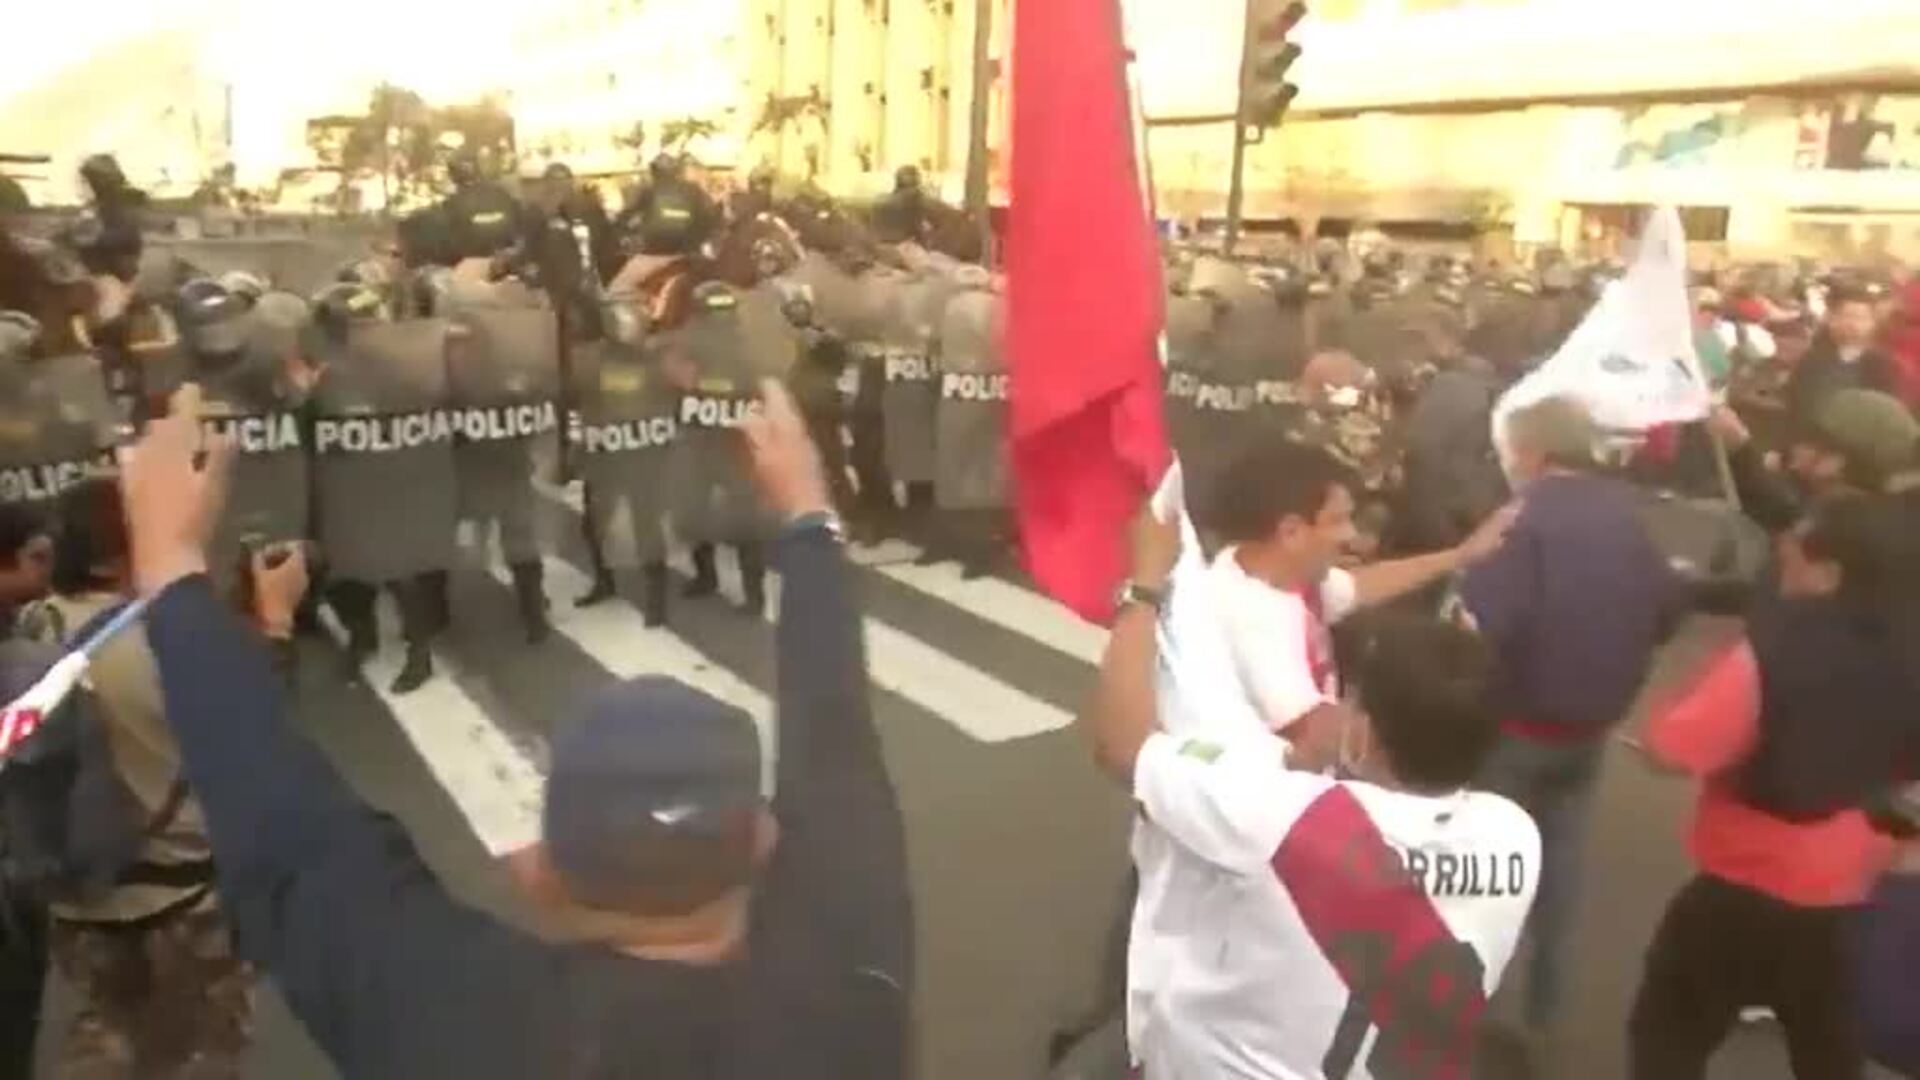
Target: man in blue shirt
(1574, 605)
(720, 935)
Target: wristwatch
(1132, 592)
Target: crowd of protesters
(1354, 801)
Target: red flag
(1083, 304)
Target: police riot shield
(507, 348)
(713, 497)
(57, 426)
(971, 421)
(299, 264)
(623, 436)
(851, 309)
(383, 452)
(772, 341)
(503, 376)
(911, 394)
(1210, 407)
(255, 401)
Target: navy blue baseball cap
(650, 756)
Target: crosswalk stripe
(613, 636)
(979, 705)
(496, 786)
(1008, 606)
(983, 707)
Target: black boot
(353, 602)
(530, 594)
(753, 580)
(417, 670)
(653, 593)
(602, 591)
(603, 588)
(706, 574)
(416, 601)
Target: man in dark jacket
(1842, 358)
(483, 221)
(1574, 605)
(721, 935)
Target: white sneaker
(1758, 1014)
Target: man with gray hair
(1574, 606)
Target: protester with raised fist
(709, 932)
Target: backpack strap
(177, 793)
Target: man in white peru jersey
(1314, 927)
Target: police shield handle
(786, 465)
(173, 484)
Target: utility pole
(979, 118)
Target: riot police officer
(483, 221)
(383, 469)
(757, 199)
(673, 215)
(240, 352)
(903, 216)
(109, 240)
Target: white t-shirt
(1317, 928)
(1281, 644)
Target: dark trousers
(23, 974)
(1722, 947)
(422, 601)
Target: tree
(13, 197)
(634, 140)
(483, 126)
(400, 139)
(797, 111)
(677, 135)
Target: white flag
(1632, 360)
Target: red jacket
(1903, 344)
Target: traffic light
(1265, 93)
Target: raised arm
(326, 895)
(842, 854)
(1387, 581)
(1121, 716)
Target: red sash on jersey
(1407, 975)
(1320, 659)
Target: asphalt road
(1017, 850)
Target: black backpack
(70, 828)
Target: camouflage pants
(160, 1000)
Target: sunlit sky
(286, 60)
(442, 47)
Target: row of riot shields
(927, 372)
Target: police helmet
(248, 287)
(664, 167)
(102, 174)
(211, 317)
(907, 178)
(18, 332)
(340, 305)
(761, 179)
(463, 168)
(624, 319)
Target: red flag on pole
(1083, 304)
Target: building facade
(839, 92)
(1781, 127)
